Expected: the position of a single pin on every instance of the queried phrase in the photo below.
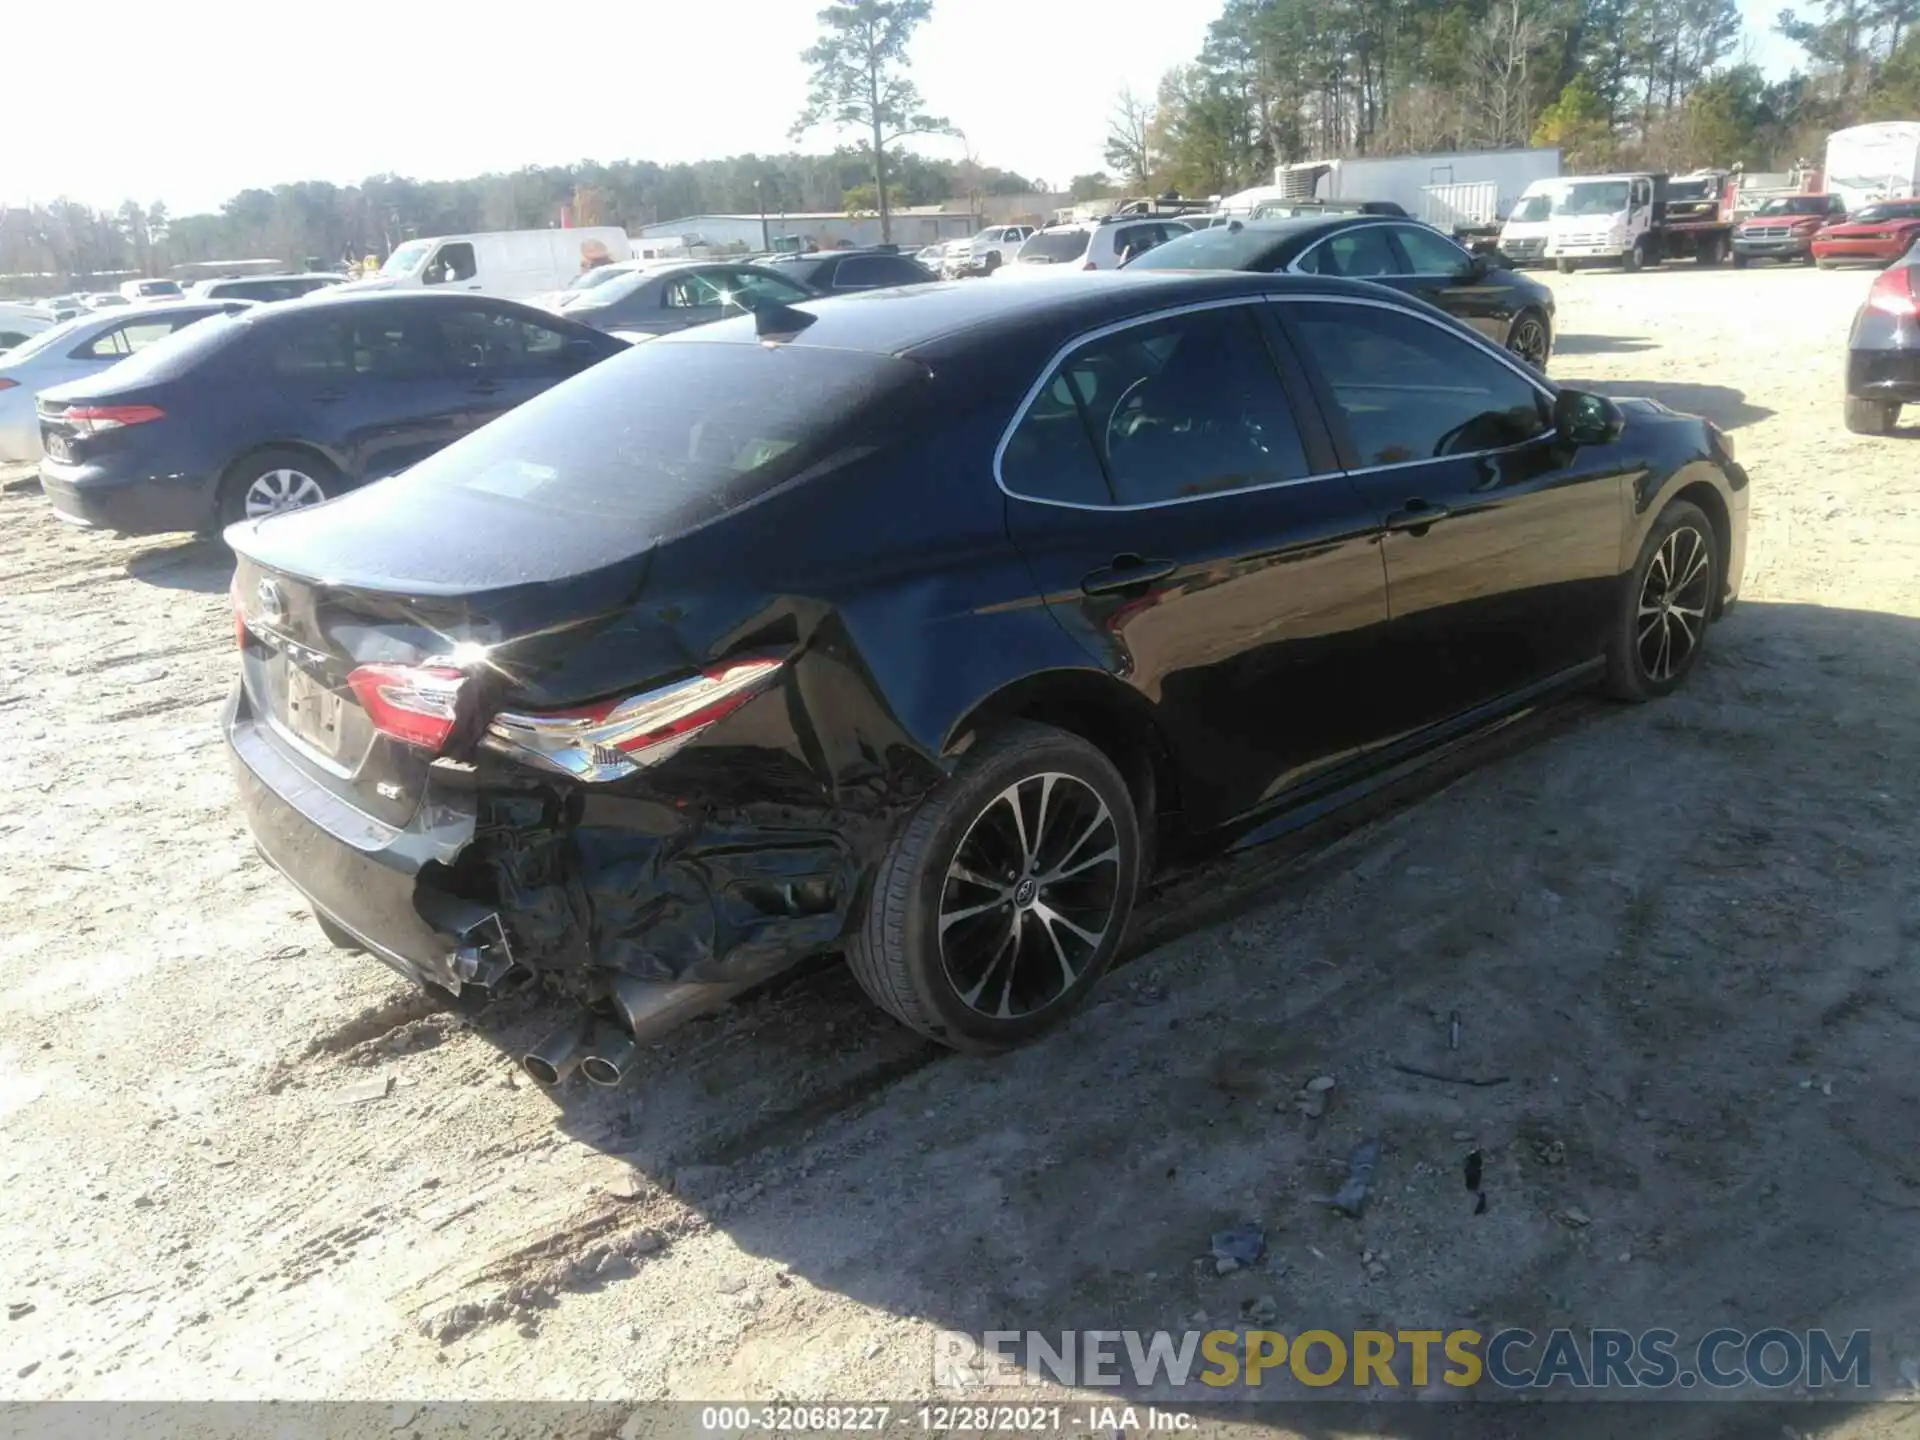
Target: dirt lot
(241, 1164)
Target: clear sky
(169, 103)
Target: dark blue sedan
(288, 405)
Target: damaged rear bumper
(360, 873)
(587, 889)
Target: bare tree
(1130, 139)
(1498, 61)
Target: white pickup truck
(986, 252)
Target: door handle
(1415, 516)
(1126, 573)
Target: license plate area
(312, 712)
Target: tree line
(316, 221)
(1611, 82)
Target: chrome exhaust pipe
(650, 1008)
(553, 1059)
(608, 1054)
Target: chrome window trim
(1195, 307)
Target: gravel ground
(241, 1164)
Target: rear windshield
(179, 352)
(1058, 246)
(1224, 247)
(668, 436)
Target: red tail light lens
(412, 703)
(618, 737)
(1089, 266)
(92, 419)
(9, 384)
(1894, 292)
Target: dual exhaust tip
(604, 1050)
(598, 1050)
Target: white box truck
(513, 264)
(1874, 162)
(1406, 179)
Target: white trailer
(1874, 162)
(1405, 179)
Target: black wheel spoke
(1029, 896)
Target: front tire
(1872, 417)
(1665, 607)
(1632, 260)
(1000, 904)
(1565, 267)
(1739, 261)
(271, 482)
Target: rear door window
(1166, 410)
(366, 346)
(874, 272)
(690, 292)
(1058, 246)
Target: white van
(515, 264)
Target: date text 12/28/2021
(939, 1419)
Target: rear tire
(1824, 264)
(1811, 259)
(1739, 261)
(965, 938)
(1565, 267)
(1872, 417)
(1530, 340)
(271, 481)
(1665, 607)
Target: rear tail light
(1894, 292)
(239, 612)
(9, 384)
(618, 737)
(412, 703)
(1089, 266)
(93, 419)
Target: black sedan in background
(288, 405)
(1511, 310)
(927, 625)
(658, 300)
(838, 272)
(1883, 352)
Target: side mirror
(1585, 419)
(581, 352)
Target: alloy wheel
(1673, 603)
(1529, 342)
(1029, 896)
(278, 490)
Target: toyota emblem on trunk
(268, 594)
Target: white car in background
(81, 347)
(1104, 244)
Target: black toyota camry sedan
(1509, 309)
(925, 625)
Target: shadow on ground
(1725, 406)
(1653, 924)
(204, 566)
(1601, 345)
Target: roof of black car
(905, 319)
